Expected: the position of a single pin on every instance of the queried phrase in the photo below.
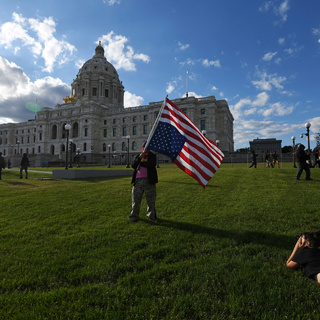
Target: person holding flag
(144, 181)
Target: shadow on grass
(242, 238)
(188, 183)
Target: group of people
(24, 164)
(272, 159)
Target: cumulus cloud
(17, 90)
(111, 2)
(183, 47)
(269, 56)
(119, 53)
(280, 8)
(38, 36)
(207, 63)
(268, 81)
(132, 100)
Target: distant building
(100, 124)
(263, 145)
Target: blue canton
(167, 140)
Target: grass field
(68, 250)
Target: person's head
(24, 155)
(313, 239)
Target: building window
(134, 146)
(124, 131)
(85, 132)
(54, 132)
(106, 93)
(105, 122)
(134, 118)
(203, 111)
(114, 121)
(145, 117)
(124, 120)
(104, 133)
(123, 146)
(145, 129)
(94, 91)
(113, 147)
(85, 146)
(134, 130)
(83, 92)
(40, 136)
(114, 132)
(104, 147)
(39, 149)
(203, 125)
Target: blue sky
(263, 57)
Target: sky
(262, 57)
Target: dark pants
(140, 187)
(303, 166)
(26, 170)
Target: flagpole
(156, 122)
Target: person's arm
(300, 243)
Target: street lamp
(109, 147)
(71, 143)
(18, 143)
(204, 132)
(217, 142)
(78, 157)
(294, 152)
(67, 128)
(128, 138)
(307, 125)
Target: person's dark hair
(314, 238)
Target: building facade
(100, 125)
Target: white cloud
(17, 89)
(43, 44)
(214, 88)
(111, 2)
(132, 100)
(192, 94)
(269, 56)
(183, 47)
(277, 109)
(281, 41)
(208, 63)
(280, 10)
(268, 81)
(119, 54)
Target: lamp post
(67, 128)
(217, 143)
(128, 138)
(308, 125)
(71, 143)
(78, 157)
(18, 143)
(109, 147)
(204, 132)
(294, 152)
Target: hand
(301, 242)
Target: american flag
(176, 136)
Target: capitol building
(100, 125)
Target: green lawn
(68, 250)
